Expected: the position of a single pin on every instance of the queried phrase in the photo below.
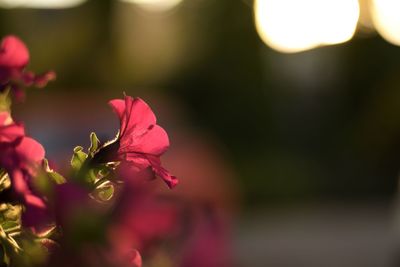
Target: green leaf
(94, 144)
(78, 158)
(55, 176)
(8, 242)
(10, 225)
(42, 183)
(91, 176)
(104, 192)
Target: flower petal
(169, 179)
(21, 187)
(155, 142)
(135, 115)
(39, 80)
(118, 106)
(9, 131)
(139, 161)
(30, 150)
(139, 114)
(135, 259)
(13, 53)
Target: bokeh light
(386, 19)
(291, 26)
(40, 3)
(155, 5)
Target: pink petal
(38, 80)
(41, 80)
(135, 115)
(35, 201)
(139, 115)
(19, 182)
(136, 174)
(136, 259)
(151, 220)
(13, 53)
(169, 179)
(21, 187)
(30, 150)
(9, 131)
(155, 142)
(118, 105)
(138, 161)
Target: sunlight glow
(155, 5)
(291, 26)
(40, 3)
(386, 19)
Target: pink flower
(14, 57)
(20, 159)
(142, 220)
(208, 244)
(75, 208)
(21, 156)
(141, 141)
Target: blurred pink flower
(208, 244)
(141, 218)
(141, 141)
(75, 210)
(14, 57)
(129, 258)
(71, 200)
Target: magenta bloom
(207, 245)
(21, 156)
(20, 159)
(9, 131)
(14, 57)
(141, 221)
(141, 141)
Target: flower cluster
(14, 57)
(104, 211)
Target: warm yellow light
(296, 25)
(40, 3)
(386, 19)
(155, 5)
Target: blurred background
(282, 114)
